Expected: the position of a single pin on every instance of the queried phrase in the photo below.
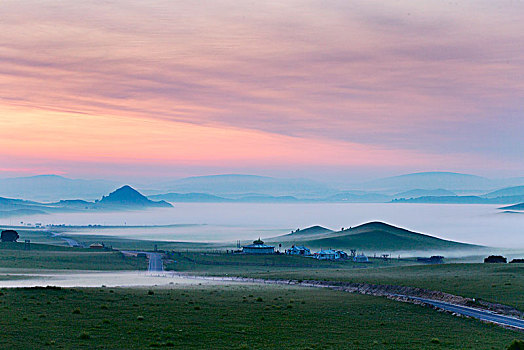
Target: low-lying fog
(479, 224)
(98, 279)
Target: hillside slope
(514, 207)
(228, 184)
(508, 191)
(313, 230)
(430, 181)
(127, 196)
(377, 237)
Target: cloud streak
(438, 80)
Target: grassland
(135, 244)
(231, 317)
(43, 256)
(209, 263)
(495, 283)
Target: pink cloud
(415, 79)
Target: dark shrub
(516, 345)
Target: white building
(298, 250)
(329, 254)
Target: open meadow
(44, 256)
(246, 316)
(500, 283)
(231, 317)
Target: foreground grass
(231, 317)
(42, 256)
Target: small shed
(96, 246)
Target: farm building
(298, 250)
(329, 254)
(343, 254)
(258, 247)
(96, 246)
(361, 258)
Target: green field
(495, 283)
(43, 256)
(231, 317)
(492, 282)
(208, 263)
(135, 244)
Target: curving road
(475, 313)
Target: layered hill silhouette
(124, 198)
(127, 196)
(372, 237)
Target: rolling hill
(189, 197)
(375, 237)
(430, 181)
(514, 207)
(313, 230)
(124, 198)
(506, 192)
(127, 196)
(53, 188)
(230, 184)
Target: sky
(339, 90)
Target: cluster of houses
(329, 254)
(259, 247)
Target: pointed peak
(128, 196)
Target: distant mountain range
(128, 197)
(371, 237)
(53, 188)
(231, 185)
(438, 180)
(124, 198)
(432, 187)
(462, 199)
(514, 191)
